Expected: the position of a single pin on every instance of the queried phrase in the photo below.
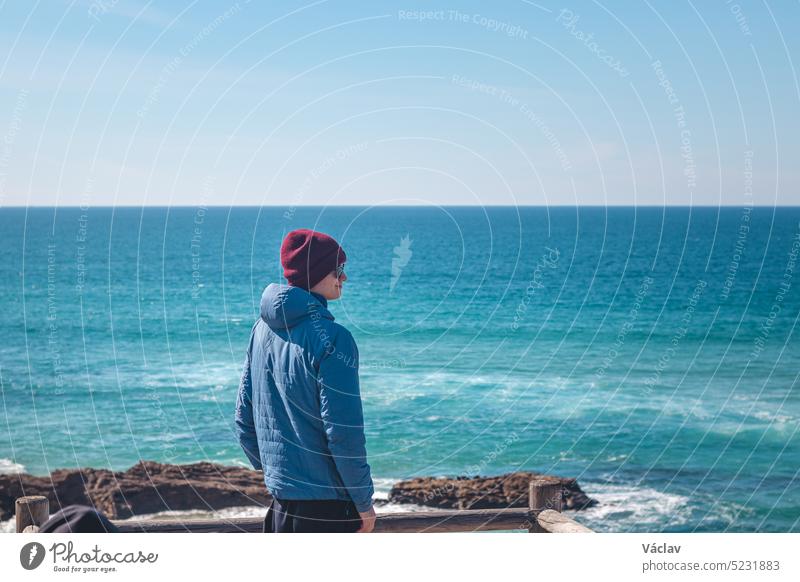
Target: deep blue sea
(651, 353)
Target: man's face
(331, 286)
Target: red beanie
(308, 256)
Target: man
(298, 412)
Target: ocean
(651, 353)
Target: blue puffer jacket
(298, 412)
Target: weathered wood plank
(555, 522)
(454, 521)
(423, 521)
(232, 525)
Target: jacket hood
(284, 306)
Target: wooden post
(543, 494)
(31, 512)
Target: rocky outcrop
(147, 487)
(509, 490)
(150, 487)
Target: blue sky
(290, 103)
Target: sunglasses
(339, 271)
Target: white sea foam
(401, 508)
(615, 458)
(255, 511)
(625, 508)
(773, 417)
(9, 467)
(382, 487)
(227, 513)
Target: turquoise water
(651, 353)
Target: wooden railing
(543, 515)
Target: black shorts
(311, 515)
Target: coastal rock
(147, 487)
(509, 490)
(150, 487)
